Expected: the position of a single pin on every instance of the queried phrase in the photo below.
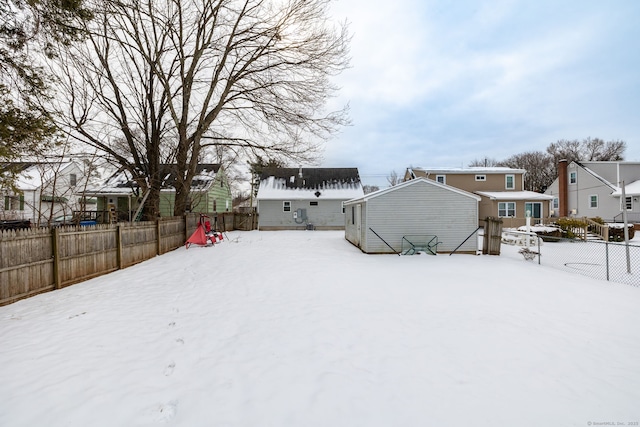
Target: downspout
(562, 188)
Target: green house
(119, 197)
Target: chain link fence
(616, 262)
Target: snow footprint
(169, 369)
(167, 411)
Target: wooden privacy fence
(33, 261)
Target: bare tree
(370, 188)
(393, 179)
(587, 150)
(161, 81)
(539, 167)
(486, 162)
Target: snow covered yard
(299, 328)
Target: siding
(422, 209)
(327, 215)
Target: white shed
(417, 212)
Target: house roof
(309, 183)
(596, 176)
(121, 182)
(514, 195)
(631, 189)
(415, 181)
(467, 170)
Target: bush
(616, 232)
(568, 225)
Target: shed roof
(410, 183)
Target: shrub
(568, 225)
(616, 232)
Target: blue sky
(440, 84)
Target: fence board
(39, 260)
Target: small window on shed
(313, 203)
(343, 208)
(286, 206)
(441, 179)
(481, 177)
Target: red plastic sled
(203, 235)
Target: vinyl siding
(420, 209)
(326, 215)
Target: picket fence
(34, 261)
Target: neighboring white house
(44, 190)
(594, 189)
(301, 198)
(413, 212)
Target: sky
(318, 334)
(434, 83)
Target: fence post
(492, 236)
(606, 245)
(119, 245)
(158, 242)
(55, 247)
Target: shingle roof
(337, 183)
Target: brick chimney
(563, 196)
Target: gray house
(413, 212)
(305, 198)
(593, 189)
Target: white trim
(507, 209)
(513, 181)
(573, 174)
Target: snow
(514, 195)
(299, 328)
(630, 189)
(273, 188)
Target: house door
(535, 208)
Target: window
(353, 214)
(573, 177)
(15, 202)
(441, 179)
(556, 203)
(286, 206)
(481, 177)
(73, 179)
(628, 203)
(343, 208)
(313, 203)
(510, 182)
(593, 201)
(506, 209)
